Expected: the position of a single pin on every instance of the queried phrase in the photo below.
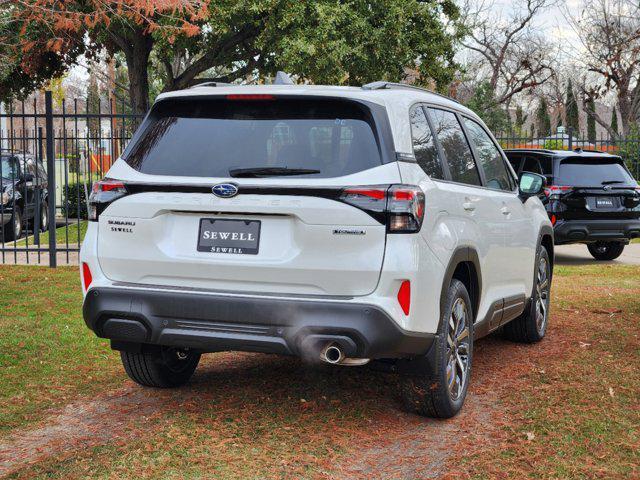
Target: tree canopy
(325, 41)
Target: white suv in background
(339, 224)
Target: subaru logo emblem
(225, 190)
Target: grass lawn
(47, 355)
(568, 407)
(72, 232)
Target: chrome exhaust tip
(332, 354)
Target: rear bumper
(573, 231)
(212, 322)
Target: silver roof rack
(382, 85)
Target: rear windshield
(594, 172)
(210, 137)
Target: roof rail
(587, 150)
(282, 78)
(208, 83)
(383, 84)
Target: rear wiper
(257, 172)
(609, 182)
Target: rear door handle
(505, 211)
(469, 204)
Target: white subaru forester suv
(339, 224)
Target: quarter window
(489, 157)
(424, 147)
(455, 146)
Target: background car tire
(13, 229)
(606, 250)
(167, 368)
(527, 328)
(428, 392)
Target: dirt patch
(81, 424)
(252, 389)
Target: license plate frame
(229, 236)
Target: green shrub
(556, 144)
(74, 201)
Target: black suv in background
(23, 188)
(591, 197)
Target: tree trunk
(137, 57)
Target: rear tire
(169, 367)
(439, 390)
(13, 229)
(531, 326)
(606, 250)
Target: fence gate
(51, 153)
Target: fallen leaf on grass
(530, 436)
(611, 392)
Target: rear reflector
(86, 276)
(404, 296)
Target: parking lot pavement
(579, 255)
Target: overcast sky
(552, 20)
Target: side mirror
(531, 184)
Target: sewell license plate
(229, 236)
(604, 202)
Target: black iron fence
(53, 151)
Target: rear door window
(424, 147)
(489, 157)
(594, 171)
(455, 147)
(210, 137)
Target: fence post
(51, 177)
(570, 133)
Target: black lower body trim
(212, 323)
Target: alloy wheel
(17, 226)
(458, 349)
(542, 295)
(43, 218)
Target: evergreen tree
(543, 120)
(591, 121)
(491, 112)
(521, 117)
(614, 121)
(572, 114)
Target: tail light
(103, 193)
(553, 219)
(554, 191)
(400, 207)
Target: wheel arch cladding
(464, 265)
(546, 240)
